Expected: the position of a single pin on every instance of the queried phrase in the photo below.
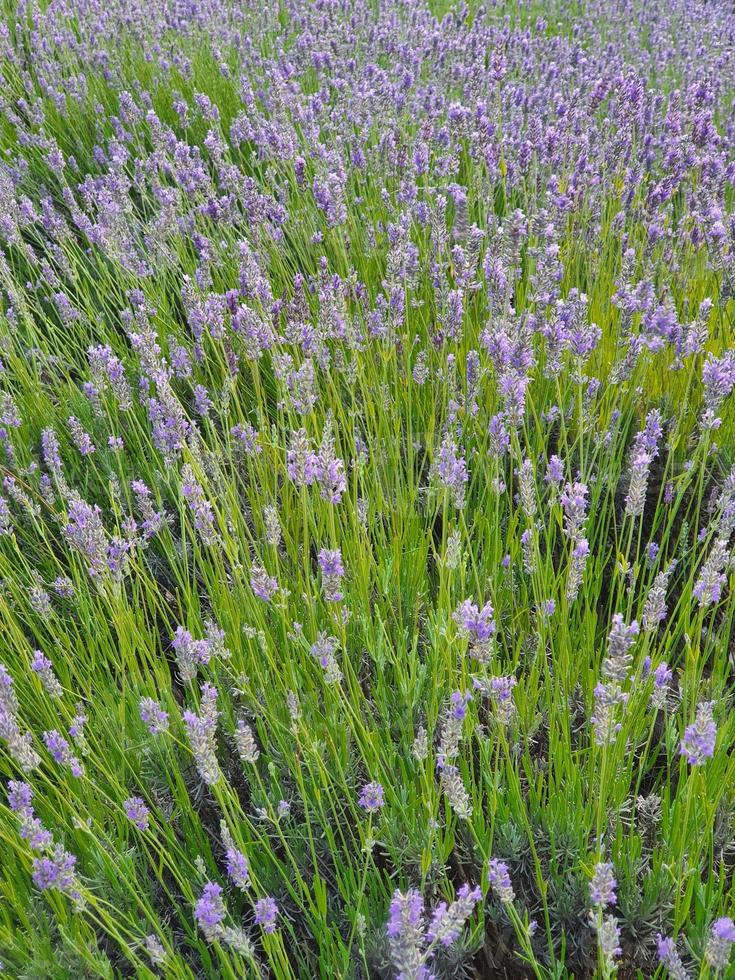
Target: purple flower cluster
(31, 828)
(498, 877)
(153, 715)
(202, 733)
(264, 586)
(191, 653)
(448, 921)
(85, 531)
(237, 863)
(154, 521)
(669, 957)
(412, 944)
(19, 743)
(406, 935)
(479, 625)
(721, 940)
(137, 812)
(209, 911)
(698, 743)
(323, 649)
(450, 469)
(61, 752)
(372, 797)
(57, 870)
(201, 509)
(266, 913)
(603, 885)
(306, 467)
(42, 666)
(330, 563)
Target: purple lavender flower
(190, 653)
(580, 554)
(57, 871)
(450, 469)
(447, 922)
(201, 509)
(63, 587)
(76, 728)
(608, 698)
(698, 743)
(668, 957)
(109, 373)
(616, 665)
(237, 867)
(608, 936)
(711, 581)
(51, 453)
(329, 471)
(202, 732)
(406, 935)
(324, 649)
(330, 563)
(247, 439)
(32, 830)
(479, 625)
(638, 483)
(372, 797)
(548, 608)
(81, 439)
(266, 913)
(6, 519)
(603, 885)
(209, 911)
(499, 878)
(44, 668)
(720, 943)
(202, 401)
(153, 520)
(574, 501)
(718, 377)
(19, 797)
(153, 715)
(654, 608)
(263, 585)
(61, 752)
(19, 744)
(500, 690)
(452, 729)
(662, 677)
(301, 462)
(137, 812)
(85, 531)
(499, 436)
(554, 472)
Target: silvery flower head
(698, 743)
(720, 943)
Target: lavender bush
(367, 505)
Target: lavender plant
(367, 489)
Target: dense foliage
(367, 447)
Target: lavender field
(367, 505)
